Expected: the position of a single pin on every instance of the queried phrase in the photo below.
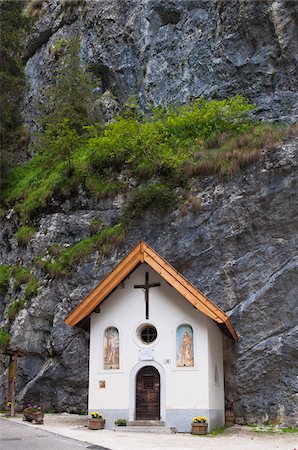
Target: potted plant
(96, 421)
(199, 425)
(120, 422)
(31, 413)
(8, 409)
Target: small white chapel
(156, 346)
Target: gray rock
(169, 52)
(240, 249)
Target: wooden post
(12, 370)
(12, 382)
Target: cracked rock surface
(240, 249)
(167, 51)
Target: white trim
(137, 339)
(132, 388)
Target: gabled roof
(142, 253)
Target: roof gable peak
(143, 253)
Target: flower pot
(38, 417)
(96, 424)
(29, 416)
(229, 417)
(199, 428)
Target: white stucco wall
(216, 383)
(181, 388)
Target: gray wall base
(179, 418)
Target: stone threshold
(147, 426)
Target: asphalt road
(14, 436)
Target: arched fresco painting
(111, 348)
(184, 346)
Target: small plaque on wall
(146, 354)
(102, 384)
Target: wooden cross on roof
(146, 287)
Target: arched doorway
(148, 394)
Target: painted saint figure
(184, 343)
(111, 349)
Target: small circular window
(147, 333)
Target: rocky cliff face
(168, 51)
(239, 249)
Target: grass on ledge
(169, 146)
(4, 278)
(4, 338)
(77, 253)
(24, 234)
(14, 308)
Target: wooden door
(148, 394)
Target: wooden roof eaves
(198, 300)
(185, 283)
(102, 290)
(140, 254)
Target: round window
(148, 333)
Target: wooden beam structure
(140, 254)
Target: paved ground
(75, 427)
(15, 436)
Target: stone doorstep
(146, 429)
(146, 423)
(147, 426)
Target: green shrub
(21, 276)
(95, 225)
(169, 145)
(14, 307)
(103, 188)
(120, 422)
(31, 288)
(4, 278)
(55, 250)
(24, 234)
(156, 196)
(77, 253)
(4, 338)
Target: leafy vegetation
(217, 431)
(154, 195)
(167, 147)
(21, 276)
(268, 428)
(14, 307)
(24, 234)
(4, 338)
(34, 8)
(31, 288)
(77, 253)
(95, 225)
(12, 133)
(290, 430)
(4, 278)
